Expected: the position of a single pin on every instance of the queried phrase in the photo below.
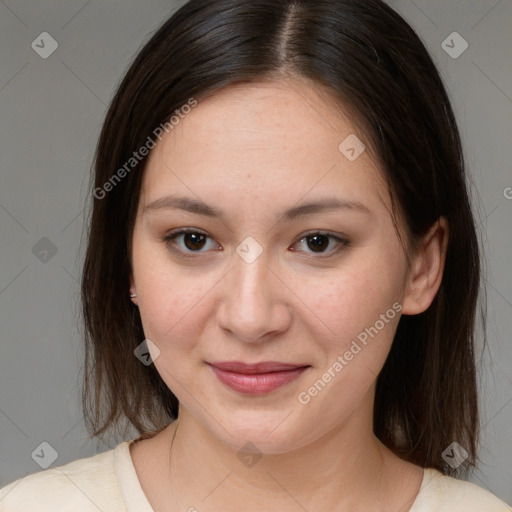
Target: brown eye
(318, 243)
(194, 241)
(189, 241)
(327, 244)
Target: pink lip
(258, 378)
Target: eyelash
(168, 240)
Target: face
(259, 276)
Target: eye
(192, 241)
(319, 242)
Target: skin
(254, 151)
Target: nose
(253, 304)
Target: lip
(256, 378)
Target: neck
(345, 469)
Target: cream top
(108, 482)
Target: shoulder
(84, 485)
(446, 494)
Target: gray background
(51, 111)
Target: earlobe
(133, 291)
(426, 273)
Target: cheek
(359, 308)
(361, 324)
(174, 314)
(174, 307)
(174, 303)
(354, 296)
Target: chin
(268, 432)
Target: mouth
(256, 378)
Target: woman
(282, 272)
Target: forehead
(270, 114)
(262, 138)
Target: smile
(256, 379)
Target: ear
(133, 289)
(427, 268)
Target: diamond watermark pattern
(44, 45)
(45, 455)
(44, 250)
(455, 455)
(147, 352)
(249, 250)
(351, 147)
(249, 454)
(454, 45)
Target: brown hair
(373, 62)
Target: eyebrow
(199, 207)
